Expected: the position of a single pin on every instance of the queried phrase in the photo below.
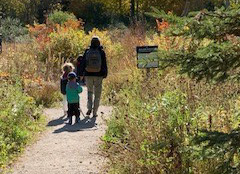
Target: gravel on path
(65, 149)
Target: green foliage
(97, 13)
(174, 104)
(25, 10)
(211, 44)
(11, 29)
(152, 127)
(68, 44)
(214, 61)
(60, 17)
(222, 147)
(142, 140)
(210, 51)
(147, 134)
(93, 12)
(116, 130)
(19, 120)
(158, 116)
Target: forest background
(99, 13)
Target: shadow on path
(57, 122)
(83, 125)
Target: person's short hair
(68, 67)
(95, 42)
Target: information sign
(147, 57)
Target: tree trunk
(227, 3)
(120, 6)
(137, 10)
(132, 9)
(186, 8)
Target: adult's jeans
(94, 87)
(65, 104)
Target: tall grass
(37, 77)
(157, 114)
(22, 94)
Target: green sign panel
(147, 57)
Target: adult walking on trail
(94, 68)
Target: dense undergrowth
(20, 112)
(20, 120)
(24, 91)
(166, 122)
(155, 122)
(21, 116)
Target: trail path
(65, 149)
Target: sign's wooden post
(0, 43)
(1, 16)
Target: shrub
(55, 41)
(68, 43)
(46, 94)
(144, 135)
(60, 17)
(22, 63)
(19, 120)
(12, 29)
(23, 39)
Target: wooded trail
(65, 149)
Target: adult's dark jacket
(81, 71)
(63, 85)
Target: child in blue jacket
(73, 89)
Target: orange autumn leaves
(162, 25)
(41, 32)
(4, 75)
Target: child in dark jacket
(72, 90)
(79, 64)
(66, 68)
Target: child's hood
(73, 85)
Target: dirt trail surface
(65, 149)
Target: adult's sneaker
(95, 115)
(88, 112)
